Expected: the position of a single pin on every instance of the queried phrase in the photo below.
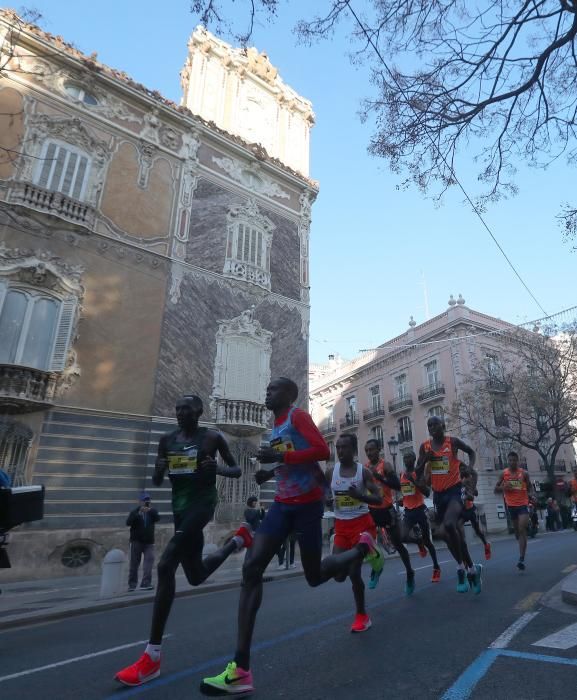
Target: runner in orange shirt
(414, 491)
(438, 458)
(385, 514)
(516, 488)
(573, 487)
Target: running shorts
(384, 517)
(516, 511)
(417, 516)
(347, 532)
(304, 519)
(441, 499)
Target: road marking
(538, 657)
(427, 566)
(528, 602)
(65, 662)
(569, 569)
(562, 639)
(504, 639)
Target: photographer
(141, 521)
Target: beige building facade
(147, 249)
(391, 391)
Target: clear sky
(371, 244)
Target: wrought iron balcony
(373, 414)
(560, 465)
(25, 389)
(329, 427)
(499, 386)
(401, 403)
(349, 421)
(54, 203)
(241, 417)
(430, 392)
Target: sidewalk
(30, 602)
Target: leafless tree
(527, 395)
(496, 78)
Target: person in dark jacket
(141, 521)
(252, 514)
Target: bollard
(113, 581)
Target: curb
(569, 589)
(52, 615)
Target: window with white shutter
(35, 328)
(243, 376)
(63, 168)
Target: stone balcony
(31, 196)
(328, 427)
(25, 389)
(351, 420)
(239, 269)
(239, 417)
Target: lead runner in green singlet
(188, 455)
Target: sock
(471, 570)
(153, 650)
(238, 540)
(242, 660)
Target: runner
(469, 478)
(414, 491)
(353, 489)
(516, 488)
(385, 514)
(296, 447)
(439, 459)
(188, 454)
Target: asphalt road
(436, 644)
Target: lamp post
(393, 444)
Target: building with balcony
(417, 375)
(147, 250)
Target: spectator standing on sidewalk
(141, 521)
(252, 514)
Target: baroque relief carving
(251, 177)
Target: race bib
(184, 463)
(408, 489)
(281, 445)
(440, 465)
(516, 484)
(345, 502)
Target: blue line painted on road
(538, 657)
(466, 682)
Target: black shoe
(131, 590)
(147, 588)
(521, 565)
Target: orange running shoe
(488, 551)
(436, 577)
(422, 551)
(361, 623)
(144, 670)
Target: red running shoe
(422, 551)
(436, 577)
(144, 670)
(245, 534)
(488, 551)
(361, 623)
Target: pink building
(392, 390)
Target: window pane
(69, 173)
(79, 181)
(58, 168)
(47, 165)
(11, 320)
(40, 337)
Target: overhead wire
(443, 158)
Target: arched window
(15, 439)
(35, 327)
(63, 168)
(80, 94)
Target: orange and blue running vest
(412, 497)
(444, 466)
(518, 495)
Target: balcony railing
(241, 417)
(25, 389)
(247, 271)
(329, 427)
(500, 463)
(54, 203)
(349, 421)
(404, 437)
(432, 391)
(374, 413)
(496, 385)
(560, 465)
(401, 403)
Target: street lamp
(393, 444)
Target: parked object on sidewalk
(23, 504)
(112, 581)
(141, 521)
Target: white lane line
(503, 640)
(562, 639)
(38, 669)
(418, 568)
